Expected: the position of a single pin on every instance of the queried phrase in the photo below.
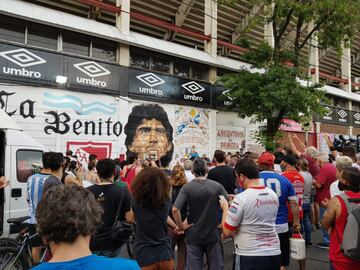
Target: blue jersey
(89, 263)
(35, 185)
(283, 189)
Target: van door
(2, 173)
(24, 163)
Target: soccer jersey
(298, 183)
(285, 192)
(35, 185)
(254, 212)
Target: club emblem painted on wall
(84, 149)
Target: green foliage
(276, 92)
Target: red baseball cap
(267, 158)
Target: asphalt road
(317, 259)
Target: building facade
(73, 72)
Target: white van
(20, 157)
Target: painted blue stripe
(75, 98)
(63, 105)
(100, 104)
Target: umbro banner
(23, 64)
(153, 86)
(337, 116)
(39, 66)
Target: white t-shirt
(189, 175)
(334, 189)
(254, 212)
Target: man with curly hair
(67, 216)
(149, 132)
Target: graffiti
(26, 106)
(75, 103)
(230, 139)
(192, 128)
(60, 123)
(149, 132)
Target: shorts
(257, 262)
(36, 240)
(285, 248)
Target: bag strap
(349, 205)
(119, 207)
(127, 171)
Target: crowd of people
(192, 207)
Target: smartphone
(222, 197)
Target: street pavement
(317, 259)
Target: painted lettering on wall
(61, 122)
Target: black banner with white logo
(221, 97)
(337, 116)
(355, 118)
(194, 93)
(154, 86)
(23, 64)
(85, 73)
(38, 66)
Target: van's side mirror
(16, 192)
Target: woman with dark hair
(152, 204)
(178, 180)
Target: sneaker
(313, 228)
(322, 245)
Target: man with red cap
(286, 194)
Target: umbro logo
(22, 57)
(328, 111)
(150, 79)
(92, 69)
(342, 113)
(193, 87)
(357, 116)
(226, 93)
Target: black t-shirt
(225, 176)
(174, 194)
(109, 197)
(152, 242)
(50, 182)
(202, 199)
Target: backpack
(350, 245)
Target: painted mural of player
(149, 132)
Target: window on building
(28, 162)
(181, 69)
(355, 106)
(199, 72)
(338, 101)
(42, 36)
(160, 64)
(76, 43)
(104, 49)
(12, 29)
(139, 60)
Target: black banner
(154, 86)
(221, 97)
(39, 66)
(24, 64)
(336, 116)
(86, 73)
(355, 118)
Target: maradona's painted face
(150, 138)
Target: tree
(276, 92)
